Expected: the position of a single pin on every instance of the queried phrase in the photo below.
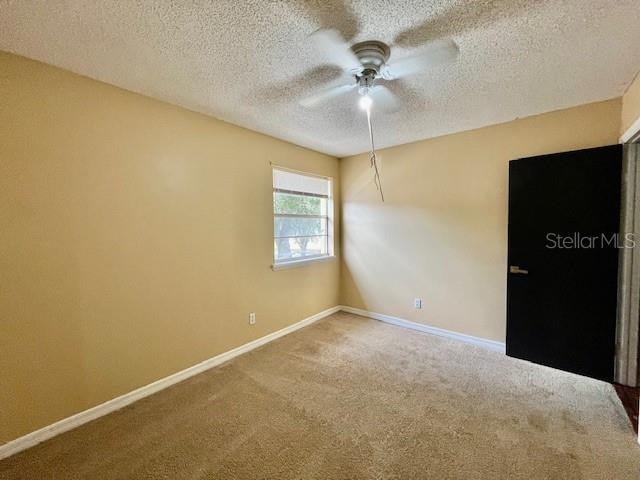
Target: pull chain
(373, 159)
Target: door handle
(517, 269)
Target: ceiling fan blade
(437, 53)
(330, 43)
(384, 99)
(326, 94)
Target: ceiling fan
(366, 69)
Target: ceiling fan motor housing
(372, 55)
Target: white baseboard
(441, 332)
(45, 433)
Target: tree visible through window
(301, 216)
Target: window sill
(301, 263)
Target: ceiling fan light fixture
(365, 102)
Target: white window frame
(297, 262)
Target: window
(302, 217)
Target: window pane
(301, 215)
(292, 248)
(299, 227)
(298, 204)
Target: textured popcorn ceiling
(248, 62)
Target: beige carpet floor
(350, 398)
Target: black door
(564, 216)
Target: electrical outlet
(417, 303)
(252, 318)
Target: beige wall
(441, 234)
(135, 238)
(631, 105)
